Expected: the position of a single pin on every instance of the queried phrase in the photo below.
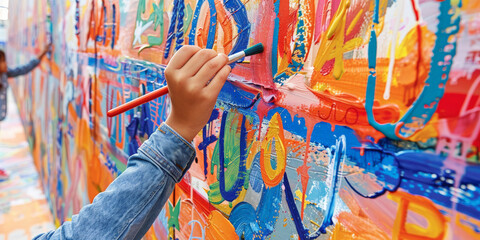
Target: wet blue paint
(236, 97)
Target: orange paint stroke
(220, 227)
(422, 206)
(226, 25)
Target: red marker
(257, 48)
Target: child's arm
(21, 70)
(132, 202)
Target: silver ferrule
(235, 57)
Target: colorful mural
(360, 120)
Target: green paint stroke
(157, 18)
(232, 159)
(174, 213)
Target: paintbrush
(255, 49)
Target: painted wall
(360, 120)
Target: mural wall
(360, 120)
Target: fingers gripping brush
(255, 49)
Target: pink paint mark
(352, 12)
(320, 18)
(262, 65)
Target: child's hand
(193, 94)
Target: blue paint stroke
(255, 177)
(268, 209)
(243, 218)
(193, 29)
(132, 130)
(213, 24)
(275, 39)
(426, 104)
(207, 140)
(303, 233)
(234, 192)
(239, 13)
(114, 13)
(146, 125)
(181, 15)
(259, 223)
(376, 12)
(236, 97)
(176, 20)
(339, 156)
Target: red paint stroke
(201, 204)
(309, 15)
(286, 28)
(352, 11)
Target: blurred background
(3, 23)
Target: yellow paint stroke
(299, 197)
(354, 21)
(314, 223)
(272, 177)
(332, 43)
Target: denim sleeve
(15, 72)
(132, 202)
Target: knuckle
(212, 64)
(208, 53)
(204, 96)
(168, 72)
(190, 88)
(190, 48)
(223, 57)
(181, 77)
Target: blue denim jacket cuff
(169, 151)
